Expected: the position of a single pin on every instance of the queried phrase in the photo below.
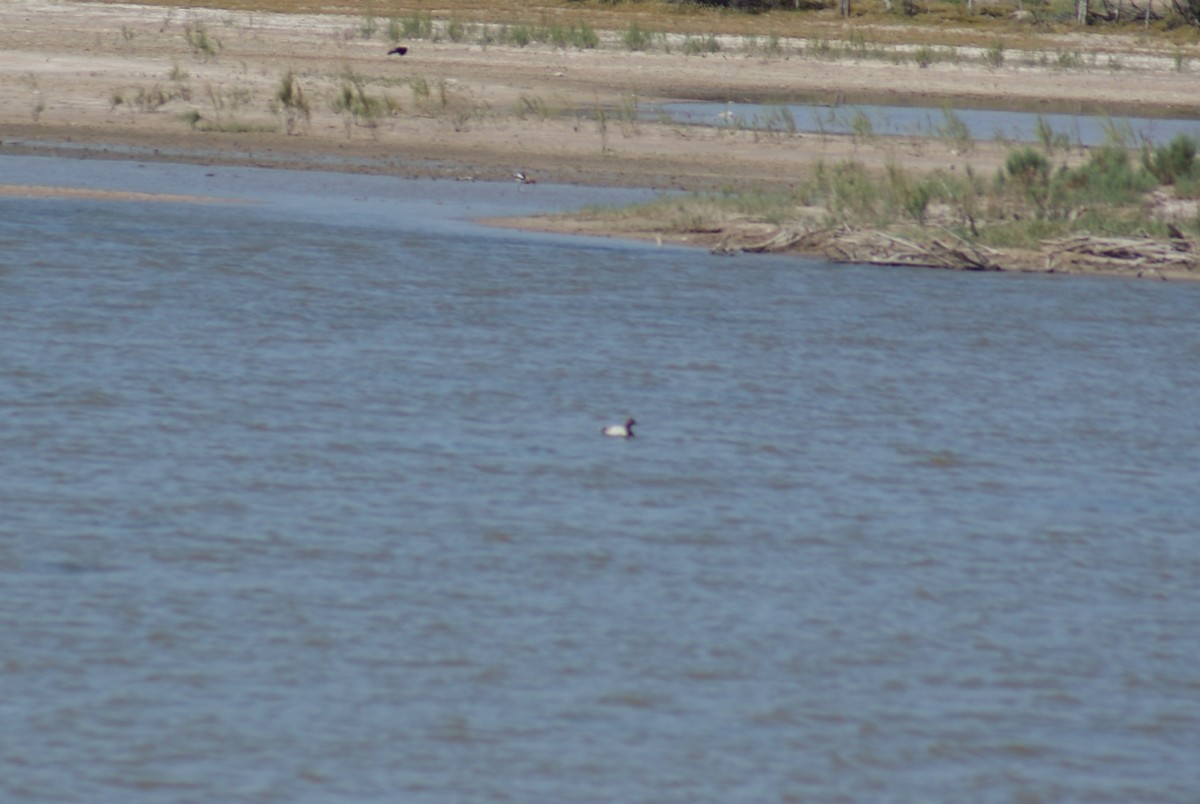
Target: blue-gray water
(306, 500)
(980, 124)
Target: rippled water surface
(305, 499)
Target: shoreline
(94, 80)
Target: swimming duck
(620, 430)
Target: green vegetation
(955, 131)
(369, 25)
(1173, 163)
(202, 45)
(699, 45)
(861, 125)
(421, 25)
(359, 107)
(532, 107)
(994, 55)
(1050, 139)
(636, 38)
(291, 102)
(226, 105)
(1028, 201)
(415, 26)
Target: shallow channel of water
(948, 122)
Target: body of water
(923, 121)
(305, 499)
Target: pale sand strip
(44, 191)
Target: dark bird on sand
(398, 51)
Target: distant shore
(145, 82)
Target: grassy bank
(1147, 200)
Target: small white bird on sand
(620, 430)
(520, 178)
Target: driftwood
(1178, 256)
(1140, 255)
(877, 248)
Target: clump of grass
(779, 118)
(456, 31)
(424, 97)
(292, 102)
(584, 37)
(200, 42)
(846, 189)
(627, 114)
(358, 106)
(417, 25)
(150, 99)
(954, 130)
(905, 194)
(601, 118)
(700, 45)
(532, 107)
(1029, 170)
(1172, 163)
(993, 55)
(1118, 133)
(222, 101)
(1050, 139)
(964, 193)
(518, 35)
(1069, 61)
(861, 125)
(1107, 178)
(368, 26)
(419, 85)
(636, 37)
(821, 49)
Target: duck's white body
(620, 430)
